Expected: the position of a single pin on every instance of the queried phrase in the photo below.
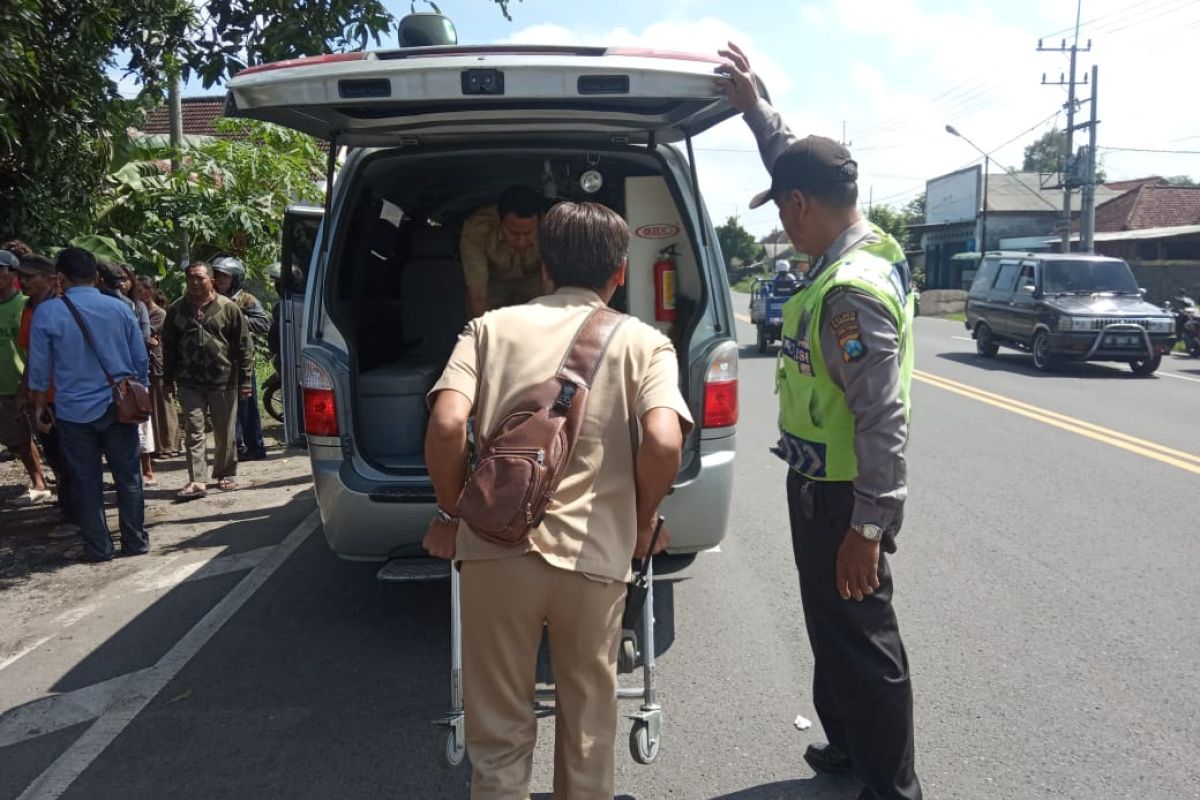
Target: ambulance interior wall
(654, 225)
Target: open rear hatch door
(385, 98)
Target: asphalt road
(1047, 583)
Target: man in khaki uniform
(570, 574)
(499, 248)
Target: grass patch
(745, 285)
(957, 317)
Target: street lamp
(950, 129)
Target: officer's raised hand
(857, 566)
(740, 89)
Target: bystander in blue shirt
(58, 350)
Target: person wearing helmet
(229, 276)
(785, 281)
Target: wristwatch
(443, 516)
(872, 533)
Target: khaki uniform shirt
(510, 277)
(591, 526)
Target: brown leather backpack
(522, 461)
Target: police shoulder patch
(849, 335)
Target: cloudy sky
(894, 73)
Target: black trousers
(52, 450)
(861, 687)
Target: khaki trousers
(504, 605)
(221, 405)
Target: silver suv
(431, 134)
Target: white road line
(173, 575)
(59, 711)
(59, 776)
(1162, 374)
(17, 656)
(963, 338)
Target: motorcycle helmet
(232, 266)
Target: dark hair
(110, 274)
(47, 266)
(520, 201)
(17, 248)
(151, 287)
(834, 195)
(582, 244)
(76, 264)
(207, 267)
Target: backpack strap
(582, 361)
(87, 336)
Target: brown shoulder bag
(131, 398)
(522, 460)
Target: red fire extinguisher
(664, 285)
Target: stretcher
(636, 646)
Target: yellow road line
(1176, 458)
(1167, 455)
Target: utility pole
(1087, 213)
(175, 112)
(1068, 153)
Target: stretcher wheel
(626, 657)
(453, 750)
(643, 750)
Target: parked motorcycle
(272, 396)
(1187, 323)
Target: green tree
(914, 211)
(62, 119)
(1045, 154)
(63, 122)
(1183, 180)
(230, 196)
(892, 221)
(738, 245)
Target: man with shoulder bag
(91, 346)
(581, 425)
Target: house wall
(943, 242)
(1161, 266)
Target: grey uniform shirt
(871, 383)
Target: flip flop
(227, 484)
(149, 481)
(190, 493)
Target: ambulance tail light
(320, 409)
(721, 387)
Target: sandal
(149, 481)
(227, 484)
(193, 491)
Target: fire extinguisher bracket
(664, 284)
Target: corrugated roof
(1138, 235)
(1023, 192)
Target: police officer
(843, 387)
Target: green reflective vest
(816, 425)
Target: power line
(1144, 19)
(972, 161)
(1151, 150)
(1126, 12)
